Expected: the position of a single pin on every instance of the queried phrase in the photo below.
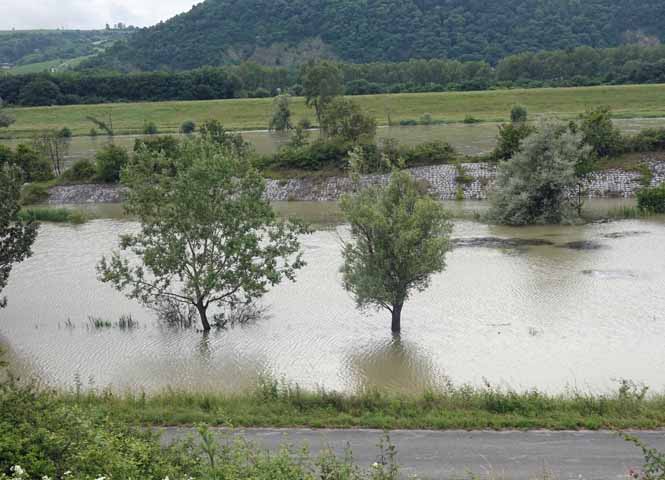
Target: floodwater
(550, 317)
(468, 139)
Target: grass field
(58, 64)
(459, 408)
(626, 102)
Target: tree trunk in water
(203, 313)
(397, 318)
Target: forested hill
(283, 32)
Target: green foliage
(533, 186)
(150, 128)
(429, 153)
(317, 155)
(600, 134)
(510, 139)
(5, 120)
(519, 114)
(205, 224)
(652, 199)
(400, 236)
(35, 167)
(214, 132)
(344, 120)
(647, 140)
(322, 82)
(65, 132)
(220, 32)
(281, 114)
(110, 161)
(469, 119)
(81, 171)
(16, 236)
(34, 193)
(52, 146)
(188, 127)
(40, 91)
(54, 215)
(167, 145)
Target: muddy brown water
(526, 315)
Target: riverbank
(274, 405)
(443, 181)
(626, 101)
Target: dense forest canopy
(283, 32)
(35, 46)
(583, 66)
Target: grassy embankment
(461, 408)
(629, 101)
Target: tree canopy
(207, 237)
(218, 32)
(16, 236)
(400, 236)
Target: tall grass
(272, 404)
(55, 215)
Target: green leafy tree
(52, 146)
(110, 162)
(208, 236)
(510, 139)
(5, 120)
(322, 82)
(400, 236)
(534, 185)
(40, 91)
(16, 236)
(599, 132)
(345, 120)
(281, 114)
(35, 167)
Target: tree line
(221, 32)
(577, 67)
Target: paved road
(509, 455)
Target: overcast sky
(87, 14)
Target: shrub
(518, 114)
(260, 93)
(648, 140)
(65, 132)
(188, 127)
(109, 163)
(600, 134)
(509, 141)
(166, 144)
(93, 132)
(429, 153)
(34, 193)
(36, 168)
(470, 119)
(150, 128)
(81, 171)
(652, 200)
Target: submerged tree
(400, 236)
(16, 236)
(535, 185)
(281, 114)
(207, 237)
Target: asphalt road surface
(506, 455)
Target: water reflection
(544, 317)
(393, 364)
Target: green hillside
(281, 32)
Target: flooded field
(472, 139)
(582, 310)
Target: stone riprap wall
(440, 179)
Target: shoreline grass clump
(53, 215)
(274, 404)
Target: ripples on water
(537, 316)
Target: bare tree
(53, 146)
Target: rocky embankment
(442, 180)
